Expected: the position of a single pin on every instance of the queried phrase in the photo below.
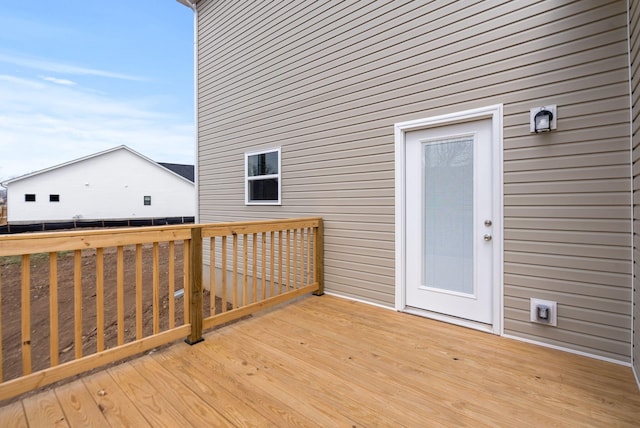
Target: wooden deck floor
(325, 361)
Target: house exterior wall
(108, 186)
(326, 81)
(634, 46)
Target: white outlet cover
(553, 312)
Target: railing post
(195, 287)
(318, 263)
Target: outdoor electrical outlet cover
(539, 308)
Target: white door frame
(494, 113)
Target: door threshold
(449, 319)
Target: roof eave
(189, 3)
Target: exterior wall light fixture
(543, 119)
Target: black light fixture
(543, 119)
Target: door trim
(495, 113)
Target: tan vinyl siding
(326, 81)
(634, 46)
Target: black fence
(78, 224)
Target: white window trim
(278, 176)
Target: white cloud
(44, 124)
(62, 68)
(57, 81)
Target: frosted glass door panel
(448, 215)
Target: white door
(449, 221)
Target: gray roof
(187, 171)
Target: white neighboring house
(118, 183)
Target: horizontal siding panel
(568, 262)
(571, 287)
(569, 199)
(608, 309)
(359, 290)
(582, 173)
(343, 117)
(566, 149)
(577, 161)
(381, 253)
(572, 186)
(570, 237)
(601, 134)
(565, 339)
(370, 192)
(578, 320)
(376, 283)
(483, 48)
(614, 279)
(361, 270)
(616, 212)
(364, 261)
(600, 338)
(576, 250)
(571, 224)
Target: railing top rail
(45, 242)
(231, 228)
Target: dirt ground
(10, 287)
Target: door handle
(487, 237)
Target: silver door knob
(487, 237)
(488, 223)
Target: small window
(147, 200)
(54, 198)
(29, 197)
(262, 177)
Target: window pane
(263, 190)
(448, 215)
(54, 198)
(30, 197)
(263, 164)
(147, 200)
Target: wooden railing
(111, 294)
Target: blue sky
(78, 77)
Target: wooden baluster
(138, 291)
(254, 285)
(235, 271)
(279, 261)
(288, 259)
(223, 251)
(100, 299)
(172, 284)
(77, 302)
(295, 258)
(272, 263)
(318, 262)
(53, 309)
(26, 314)
(156, 288)
(264, 265)
(308, 271)
(187, 280)
(212, 275)
(120, 293)
(245, 268)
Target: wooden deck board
(12, 416)
(44, 410)
(116, 407)
(325, 361)
(79, 407)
